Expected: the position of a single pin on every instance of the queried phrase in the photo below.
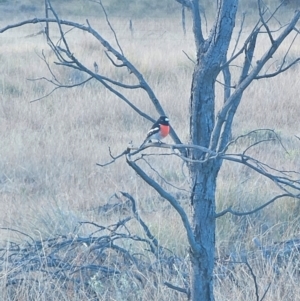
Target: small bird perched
(159, 130)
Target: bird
(158, 131)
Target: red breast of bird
(158, 134)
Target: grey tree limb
(232, 102)
(175, 204)
(238, 213)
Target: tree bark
(203, 190)
(210, 55)
(203, 221)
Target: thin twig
(109, 24)
(281, 70)
(57, 87)
(18, 231)
(237, 213)
(176, 288)
(261, 15)
(254, 279)
(265, 293)
(113, 158)
(161, 177)
(239, 34)
(189, 58)
(155, 247)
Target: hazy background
(49, 148)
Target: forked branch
(253, 70)
(237, 213)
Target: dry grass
(49, 180)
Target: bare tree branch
(112, 61)
(239, 36)
(186, 3)
(18, 231)
(163, 193)
(282, 179)
(161, 177)
(237, 213)
(245, 45)
(255, 282)
(57, 86)
(43, 58)
(109, 24)
(226, 114)
(62, 35)
(176, 288)
(259, 167)
(261, 14)
(189, 58)
(114, 158)
(254, 279)
(223, 126)
(173, 146)
(155, 247)
(265, 293)
(270, 133)
(197, 27)
(280, 70)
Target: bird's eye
(166, 119)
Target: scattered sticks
(73, 260)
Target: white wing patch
(153, 131)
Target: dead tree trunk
(210, 55)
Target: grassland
(49, 180)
